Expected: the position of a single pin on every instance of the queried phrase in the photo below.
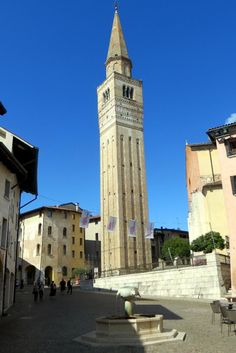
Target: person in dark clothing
(35, 292)
(41, 290)
(62, 285)
(69, 287)
(53, 289)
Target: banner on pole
(84, 219)
(111, 224)
(132, 228)
(149, 231)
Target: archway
(48, 275)
(30, 274)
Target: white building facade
(16, 176)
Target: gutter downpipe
(17, 240)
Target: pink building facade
(225, 139)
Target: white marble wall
(203, 282)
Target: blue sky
(52, 55)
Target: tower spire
(117, 56)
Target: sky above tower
(52, 60)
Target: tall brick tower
(122, 165)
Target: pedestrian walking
(53, 289)
(69, 286)
(62, 285)
(35, 292)
(41, 290)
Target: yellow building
(206, 203)
(51, 243)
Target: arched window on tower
(124, 89)
(131, 93)
(127, 92)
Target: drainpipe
(212, 170)
(17, 240)
(5, 269)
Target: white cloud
(231, 119)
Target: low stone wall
(205, 281)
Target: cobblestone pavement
(51, 325)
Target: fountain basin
(137, 330)
(131, 327)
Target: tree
(78, 272)
(174, 247)
(208, 242)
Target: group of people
(63, 286)
(38, 288)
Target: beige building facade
(205, 191)
(224, 137)
(211, 183)
(18, 173)
(122, 165)
(51, 243)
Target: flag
(84, 219)
(111, 224)
(132, 228)
(149, 231)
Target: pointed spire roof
(117, 46)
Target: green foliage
(177, 247)
(208, 242)
(77, 272)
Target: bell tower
(122, 166)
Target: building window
(231, 147)
(64, 271)
(40, 229)
(233, 184)
(81, 230)
(96, 236)
(73, 216)
(49, 230)
(4, 233)
(64, 232)
(38, 250)
(65, 214)
(73, 240)
(49, 249)
(81, 241)
(73, 253)
(128, 92)
(73, 228)
(106, 95)
(226, 242)
(81, 254)
(7, 189)
(64, 249)
(49, 213)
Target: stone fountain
(130, 329)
